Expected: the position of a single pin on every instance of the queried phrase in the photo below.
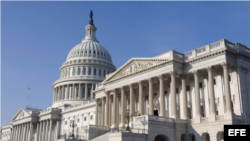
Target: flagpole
(28, 97)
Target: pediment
(135, 65)
(21, 114)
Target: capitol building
(170, 97)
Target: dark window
(90, 51)
(188, 88)
(189, 113)
(94, 52)
(94, 87)
(89, 71)
(86, 51)
(89, 91)
(165, 93)
(100, 72)
(98, 52)
(146, 98)
(202, 112)
(79, 70)
(85, 118)
(108, 72)
(214, 81)
(177, 90)
(200, 85)
(229, 78)
(94, 71)
(84, 71)
(104, 73)
(155, 95)
(83, 92)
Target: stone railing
(218, 118)
(152, 118)
(98, 127)
(204, 119)
(78, 106)
(50, 110)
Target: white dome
(89, 49)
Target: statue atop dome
(91, 18)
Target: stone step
(103, 137)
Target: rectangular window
(89, 91)
(91, 117)
(85, 118)
(165, 93)
(83, 92)
(100, 72)
(229, 78)
(79, 70)
(94, 71)
(94, 87)
(104, 73)
(89, 71)
(146, 98)
(177, 90)
(84, 71)
(200, 85)
(214, 81)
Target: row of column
(22, 132)
(106, 100)
(44, 130)
(64, 93)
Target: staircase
(103, 137)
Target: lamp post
(128, 117)
(73, 125)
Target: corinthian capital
(160, 76)
(224, 65)
(149, 79)
(172, 73)
(209, 68)
(140, 82)
(194, 72)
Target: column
(74, 92)
(59, 93)
(162, 98)
(63, 92)
(21, 131)
(43, 134)
(91, 91)
(197, 95)
(54, 95)
(122, 107)
(86, 90)
(132, 105)
(18, 129)
(24, 132)
(27, 131)
(173, 97)
(103, 111)
(227, 88)
(184, 96)
(96, 111)
(47, 130)
(50, 130)
(57, 129)
(114, 112)
(80, 91)
(15, 132)
(31, 132)
(150, 96)
(107, 110)
(141, 98)
(67, 94)
(40, 132)
(37, 131)
(211, 91)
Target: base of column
(113, 126)
(197, 120)
(121, 125)
(212, 118)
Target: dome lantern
(90, 30)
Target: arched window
(94, 71)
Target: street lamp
(128, 117)
(73, 125)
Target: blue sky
(37, 37)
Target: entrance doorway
(161, 138)
(156, 113)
